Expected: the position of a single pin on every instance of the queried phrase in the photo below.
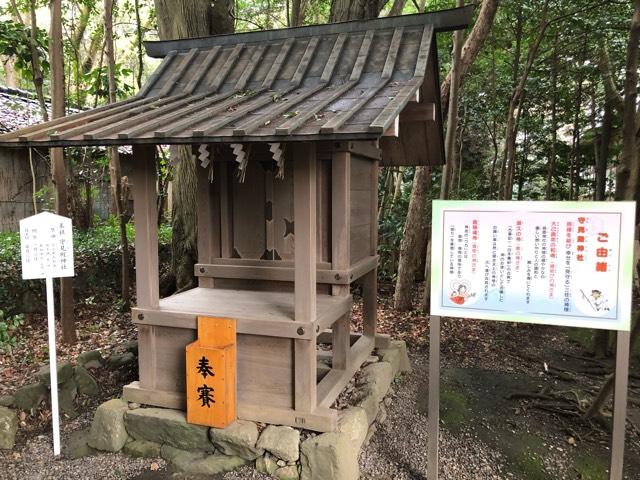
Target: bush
(9, 337)
(96, 261)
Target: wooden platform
(257, 313)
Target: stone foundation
(285, 453)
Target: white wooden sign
(46, 246)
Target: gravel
(398, 450)
(34, 459)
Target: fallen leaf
(154, 467)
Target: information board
(46, 245)
(556, 263)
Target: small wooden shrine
(288, 128)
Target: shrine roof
(342, 81)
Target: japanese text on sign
(46, 244)
(564, 263)
(205, 393)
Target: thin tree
(118, 182)
(515, 104)
(449, 168)
(554, 118)
(627, 187)
(36, 69)
(421, 182)
(57, 161)
(471, 47)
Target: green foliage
(9, 331)
(97, 79)
(96, 261)
(15, 42)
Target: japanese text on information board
(46, 242)
(564, 263)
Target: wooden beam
(145, 219)
(382, 340)
(226, 210)
(178, 319)
(364, 148)
(418, 112)
(143, 176)
(282, 271)
(208, 214)
(320, 420)
(304, 195)
(332, 384)
(394, 129)
(341, 248)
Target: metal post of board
(620, 405)
(434, 397)
(53, 367)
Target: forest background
(539, 98)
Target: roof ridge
(442, 20)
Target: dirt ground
(511, 404)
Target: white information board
(557, 263)
(46, 244)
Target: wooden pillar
(304, 197)
(208, 205)
(145, 214)
(341, 248)
(226, 209)
(370, 280)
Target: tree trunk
(602, 160)
(397, 7)
(471, 48)
(628, 169)
(415, 234)
(414, 237)
(574, 174)
(186, 19)
(523, 161)
(36, 70)
(115, 175)
(422, 178)
(57, 161)
(626, 187)
(513, 113)
(515, 69)
(298, 10)
(554, 119)
(448, 171)
(140, 55)
(607, 387)
(345, 10)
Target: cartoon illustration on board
(460, 293)
(596, 300)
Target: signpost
(553, 263)
(46, 245)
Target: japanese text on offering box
(533, 260)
